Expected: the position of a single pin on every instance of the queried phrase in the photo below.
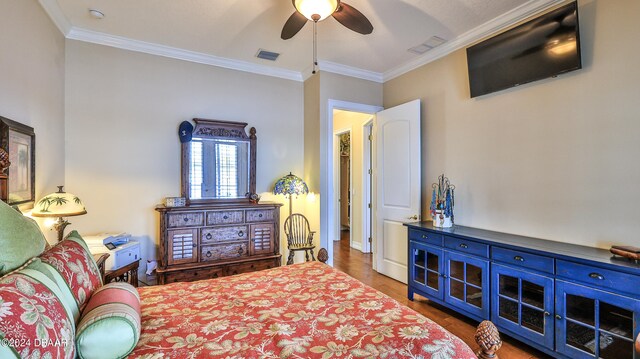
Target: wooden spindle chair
(299, 236)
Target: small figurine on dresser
(442, 202)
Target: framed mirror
(219, 163)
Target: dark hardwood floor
(358, 265)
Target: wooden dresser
(210, 241)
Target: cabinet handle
(240, 250)
(186, 219)
(518, 258)
(596, 276)
(209, 236)
(464, 246)
(424, 236)
(444, 276)
(558, 316)
(547, 313)
(241, 234)
(225, 217)
(208, 254)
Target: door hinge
(370, 137)
(369, 240)
(370, 171)
(369, 205)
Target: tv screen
(543, 47)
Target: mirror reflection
(219, 168)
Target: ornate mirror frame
(225, 130)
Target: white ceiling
(233, 30)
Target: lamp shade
(290, 185)
(316, 10)
(59, 204)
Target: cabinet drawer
(261, 215)
(603, 278)
(425, 237)
(466, 246)
(223, 251)
(224, 217)
(522, 259)
(190, 275)
(251, 266)
(187, 219)
(223, 234)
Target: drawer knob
(597, 276)
(208, 254)
(424, 236)
(518, 258)
(209, 236)
(260, 215)
(186, 219)
(241, 234)
(463, 246)
(240, 250)
(225, 217)
(444, 276)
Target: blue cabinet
(569, 301)
(467, 284)
(523, 303)
(595, 324)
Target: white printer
(121, 247)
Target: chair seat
(295, 247)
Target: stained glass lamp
(290, 185)
(59, 204)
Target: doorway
(352, 179)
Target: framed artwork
(20, 142)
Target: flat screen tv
(544, 47)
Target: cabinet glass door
(467, 283)
(596, 324)
(425, 268)
(523, 303)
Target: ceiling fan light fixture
(316, 10)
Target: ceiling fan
(318, 10)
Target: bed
(303, 310)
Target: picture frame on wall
(19, 141)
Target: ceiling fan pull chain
(315, 46)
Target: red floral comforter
(307, 310)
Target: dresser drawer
(223, 251)
(466, 246)
(598, 277)
(186, 219)
(225, 217)
(223, 234)
(522, 259)
(425, 237)
(261, 215)
(234, 269)
(190, 275)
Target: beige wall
(556, 159)
(123, 111)
(32, 86)
(354, 122)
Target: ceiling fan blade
(353, 19)
(293, 25)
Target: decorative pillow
(20, 239)
(33, 321)
(66, 296)
(72, 259)
(110, 324)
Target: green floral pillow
(20, 239)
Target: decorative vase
(439, 220)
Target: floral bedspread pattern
(72, 261)
(33, 322)
(307, 310)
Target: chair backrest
(297, 229)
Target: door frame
(367, 186)
(336, 184)
(327, 206)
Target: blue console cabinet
(566, 300)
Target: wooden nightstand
(128, 273)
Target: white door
(397, 185)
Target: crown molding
(180, 54)
(493, 26)
(52, 9)
(350, 71)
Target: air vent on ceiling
(267, 55)
(433, 42)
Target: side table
(100, 259)
(128, 273)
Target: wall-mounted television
(544, 47)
